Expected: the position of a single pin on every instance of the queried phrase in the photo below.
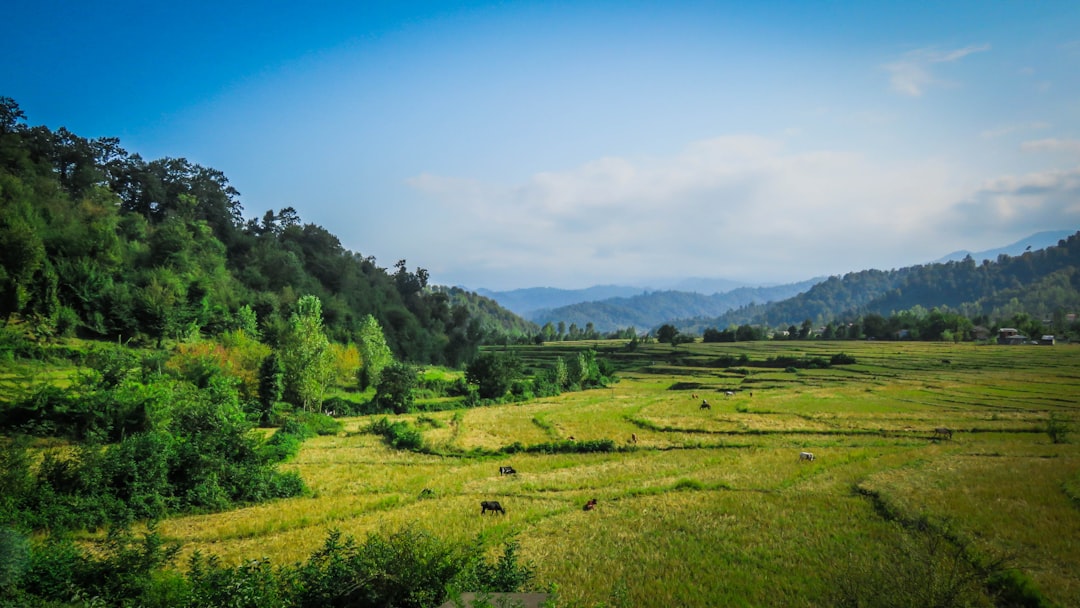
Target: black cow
(507, 471)
(943, 432)
(491, 505)
(705, 405)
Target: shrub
(1057, 427)
(399, 435)
(841, 359)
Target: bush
(399, 435)
(841, 359)
(1057, 427)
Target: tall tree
(374, 352)
(305, 355)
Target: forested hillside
(98, 242)
(1040, 283)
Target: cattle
(507, 471)
(943, 432)
(729, 393)
(705, 405)
(571, 438)
(491, 505)
(633, 437)
(589, 506)
(806, 456)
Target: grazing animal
(426, 493)
(633, 437)
(705, 405)
(729, 393)
(943, 432)
(589, 506)
(491, 505)
(693, 395)
(946, 361)
(507, 471)
(571, 438)
(806, 456)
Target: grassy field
(714, 507)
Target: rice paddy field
(713, 507)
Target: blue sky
(520, 144)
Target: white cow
(806, 456)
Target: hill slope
(651, 309)
(1038, 283)
(98, 242)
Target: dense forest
(100, 243)
(1040, 285)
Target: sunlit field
(714, 506)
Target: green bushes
(171, 448)
(562, 447)
(399, 435)
(404, 568)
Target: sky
(506, 145)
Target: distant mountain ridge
(530, 299)
(1039, 283)
(1039, 240)
(647, 310)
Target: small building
(1046, 340)
(1009, 335)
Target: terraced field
(713, 507)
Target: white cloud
(736, 206)
(911, 74)
(1033, 201)
(1015, 128)
(1052, 144)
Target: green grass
(713, 507)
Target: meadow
(713, 506)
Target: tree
(494, 373)
(747, 333)
(666, 333)
(395, 389)
(271, 385)
(305, 355)
(374, 353)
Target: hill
(651, 309)
(100, 243)
(530, 299)
(1039, 240)
(1039, 283)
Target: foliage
(172, 447)
(399, 435)
(100, 243)
(374, 352)
(494, 372)
(1058, 427)
(271, 385)
(563, 447)
(305, 355)
(394, 391)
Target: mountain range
(699, 303)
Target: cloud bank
(741, 206)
